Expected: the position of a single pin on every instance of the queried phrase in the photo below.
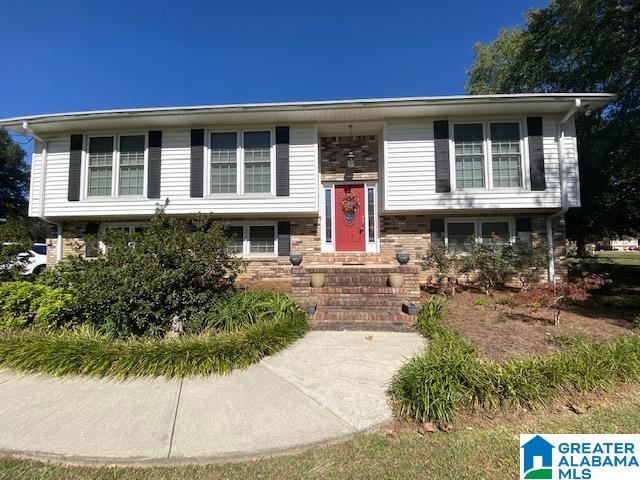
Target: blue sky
(83, 55)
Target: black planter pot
(295, 259)
(403, 258)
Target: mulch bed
(504, 331)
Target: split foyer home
(347, 184)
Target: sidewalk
(326, 386)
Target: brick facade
(406, 233)
(334, 152)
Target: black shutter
(155, 160)
(523, 224)
(197, 162)
(75, 168)
(441, 144)
(92, 248)
(282, 161)
(536, 153)
(437, 231)
(284, 239)
(523, 229)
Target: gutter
(564, 202)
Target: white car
(35, 259)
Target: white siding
(175, 178)
(571, 165)
(36, 180)
(409, 169)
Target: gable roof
(311, 112)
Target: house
(620, 244)
(348, 184)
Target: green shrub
(636, 322)
(88, 352)
(175, 267)
(449, 375)
(24, 304)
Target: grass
(449, 375)
(475, 449)
(84, 352)
(623, 269)
(620, 258)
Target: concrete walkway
(326, 386)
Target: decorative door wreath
(350, 204)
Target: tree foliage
(581, 46)
(175, 267)
(14, 178)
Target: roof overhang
(308, 112)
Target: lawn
(476, 448)
(624, 270)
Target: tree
(581, 46)
(14, 178)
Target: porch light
(351, 157)
(351, 160)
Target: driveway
(327, 386)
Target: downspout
(59, 243)
(564, 203)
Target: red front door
(349, 213)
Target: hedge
(449, 375)
(85, 352)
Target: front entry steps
(357, 297)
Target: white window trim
(106, 225)
(487, 157)
(240, 165)
(246, 249)
(330, 247)
(115, 167)
(477, 226)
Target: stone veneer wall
(333, 157)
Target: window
(39, 248)
(505, 154)
(328, 210)
(460, 236)
(100, 166)
(495, 231)
(236, 239)
(224, 162)
(371, 214)
(119, 231)
(261, 239)
(469, 155)
(462, 233)
(131, 180)
(257, 162)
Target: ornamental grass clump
(85, 351)
(449, 375)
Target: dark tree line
(581, 46)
